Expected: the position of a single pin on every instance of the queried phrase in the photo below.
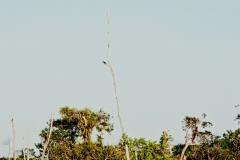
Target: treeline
(71, 138)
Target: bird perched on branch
(104, 62)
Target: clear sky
(171, 59)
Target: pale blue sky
(171, 59)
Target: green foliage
(232, 142)
(4, 158)
(177, 149)
(147, 149)
(80, 123)
(220, 149)
(91, 150)
(165, 143)
(192, 123)
(74, 127)
(71, 139)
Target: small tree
(193, 136)
(165, 144)
(75, 126)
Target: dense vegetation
(71, 138)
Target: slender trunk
(28, 149)
(24, 153)
(49, 135)
(185, 147)
(183, 151)
(115, 86)
(14, 140)
(9, 150)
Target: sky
(171, 59)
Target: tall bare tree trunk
(115, 85)
(14, 140)
(49, 135)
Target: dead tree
(115, 86)
(193, 135)
(48, 138)
(14, 140)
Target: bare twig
(48, 138)
(115, 84)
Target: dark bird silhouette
(104, 62)
(236, 105)
(204, 115)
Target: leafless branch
(115, 84)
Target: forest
(70, 137)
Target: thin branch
(113, 75)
